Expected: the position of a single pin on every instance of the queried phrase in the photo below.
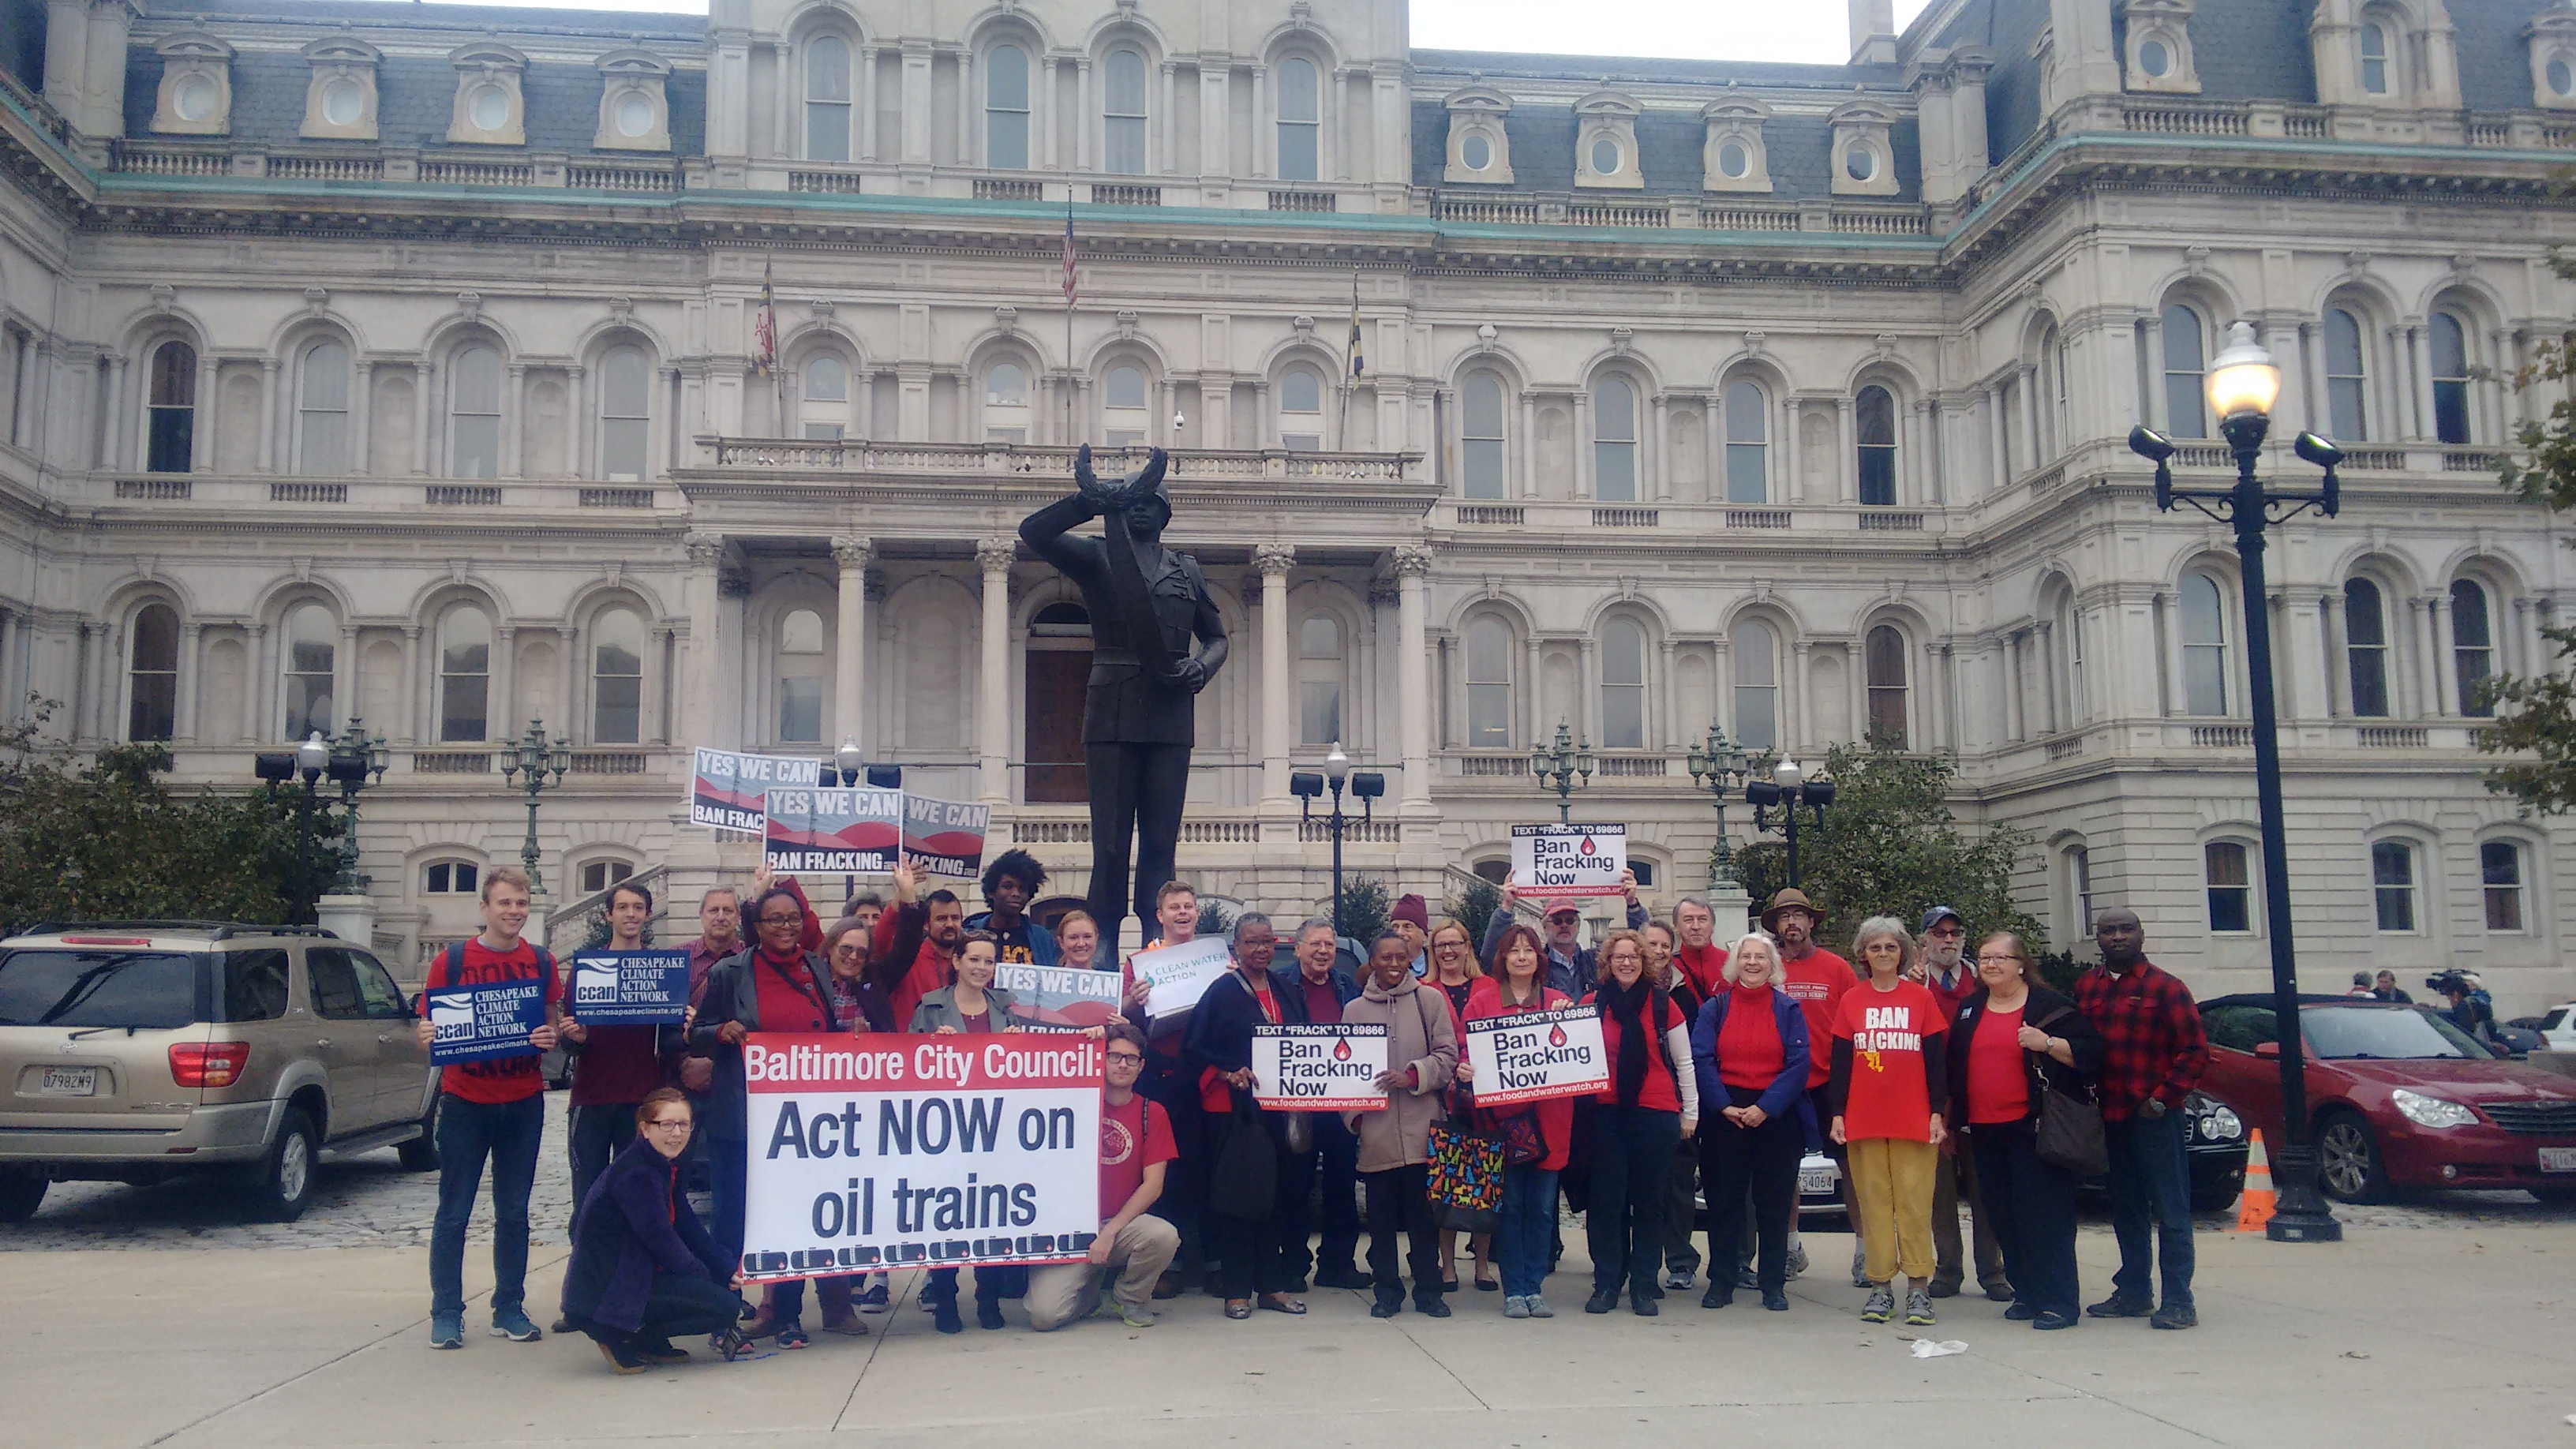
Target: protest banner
(1177, 976)
(484, 1020)
(729, 791)
(880, 1151)
(628, 988)
(854, 831)
(1065, 998)
(944, 837)
(1551, 861)
(1532, 1055)
(1318, 1068)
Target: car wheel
(2213, 1202)
(21, 1193)
(2349, 1166)
(421, 1153)
(285, 1181)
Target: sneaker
(622, 1360)
(988, 1314)
(1515, 1306)
(2175, 1315)
(791, 1335)
(513, 1324)
(874, 1300)
(1538, 1307)
(663, 1352)
(1881, 1305)
(1602, 1300)
(1679, 1278)
(1135, 1315)
(447, 1330)
(1918, 1309)
(1860, 1278)
(1746, 1278)
(1797, 1259)
(943, 1316)
(2117, 1306)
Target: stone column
(1413, 673)
(700, 602)
(362, 415)
(2437, 621)
(993, 699)
(502, 708)
(419, 419)
(1847, 460)
(118, 435)
(848, 711)
(184, 724)
(514, 385)
(1277, 702)
(406, 729)
(269, 461)
(259, 687)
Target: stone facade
(403, 362)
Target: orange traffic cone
(2254, 1210)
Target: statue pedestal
(352, 918)
(1733, 909)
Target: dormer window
(196, 85)
(1480, 151)
(340, 98)
(1606, 142)
(1733, 157)
(1864, 161)
(2552, 39)
(633, 114)
(488, 110)
(2159, 47)
(2374, 57)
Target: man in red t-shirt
(1135, 1144)
(1816, 979)
(494, 1108)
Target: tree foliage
(1889, 846)
(107, 839)
(2536, 714)
(1362, 910)
(1474, 907)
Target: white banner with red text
(1529, 1056)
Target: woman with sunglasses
(643, 1268)
(1452, 949)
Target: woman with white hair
(1750, 1046)
(1890, 1089)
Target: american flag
(1359, 362)
(764, 329)
(1069, 253)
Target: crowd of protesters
(1935, 1076)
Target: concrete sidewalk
(2394, 1336)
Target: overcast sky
(1788, 30)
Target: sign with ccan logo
(629, 988)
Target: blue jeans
(1528, 1226)
(728, 1173)
(469, 1132)
(2151, 1187)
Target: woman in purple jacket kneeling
(643, 1267)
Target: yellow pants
(1891, 1200)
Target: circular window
(2562, 80)
(2154, 59)
(343, 101)
(634, 115)
(1860, 163)
(1476, 152)
(1733, 161)
(1605, 157)
(488, 108)
(194, 100)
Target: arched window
(1480, 426)
(322, 411)
(2374, 58)
(2079, 888)
(2392, 885)
(800, 677)
(617, 678)
(2347, 383)
(2061, 411)
(827, 98)
(152, 677)
(1748, 434)
(2365, 637)
(624, 391)
(2186, 416)
(599, 875)
(1489, 684)
(1301, 409)
(2450, 379)
(1757, 686)
(2204, 646)
(827, 396)
(1300, 120)
(1006, 108)
(310, 646)
(448, 877)
(2229, 881)
(1319, 680)
(1123, 416)
(1623, 685)
(1874, 414)
(2500, 877)
(1614, 441)
(1006, 403)
(2472, 646)
(464, 675)
(1886, 662)
(474, 414)
(1122, 112)
(174, 408)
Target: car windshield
(146, 989)
(2379, 1033)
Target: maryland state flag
(1359, 361)
(764, 329)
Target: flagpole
(1069, 437)
(1351, 365)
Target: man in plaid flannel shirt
(2157, 1052)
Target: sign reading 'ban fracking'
(1318, 1068)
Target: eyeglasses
(782, 920)
(1997, 957)
(669, 1124)
(1125, 1059)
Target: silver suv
(137, 1051)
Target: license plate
(2558, 1159)
(68, 1082)
(1815, 1181)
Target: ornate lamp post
(2243, 385)
(1787, 789)
(1562, 768)
(352, 760)
(1718, 768)
(1364, 785)
(544, 762)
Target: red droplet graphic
(1586, 847)
(1556, 1036)
(1342, 1050)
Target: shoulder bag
(2070, 1132)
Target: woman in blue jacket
(1750, 1045)
(643, 1268)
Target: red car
(2398, 1097)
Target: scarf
(1627, 1008)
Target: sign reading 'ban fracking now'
(1318, 1068)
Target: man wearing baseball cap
(1816, 979)
(1943, 967)
(1569, 966)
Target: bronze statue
(1147, 604)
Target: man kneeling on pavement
(1135, 1143)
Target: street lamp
(1787, 789)
(2243, 385)
(1561, 768)
(352, 760)
(1718, 768)
(538, 758)
(1365, 786)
